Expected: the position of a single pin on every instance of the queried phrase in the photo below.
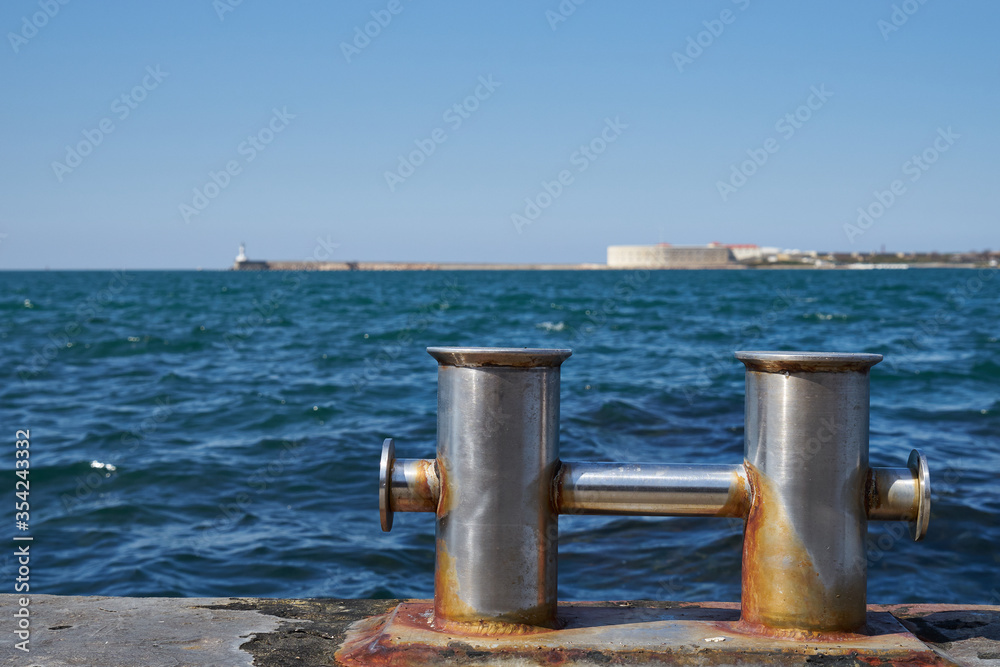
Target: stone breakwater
(253, 265)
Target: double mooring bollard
(805, 490)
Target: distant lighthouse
(242, 256)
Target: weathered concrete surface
(233, 632)
(146, 632)
(968, 635)
(180, 632)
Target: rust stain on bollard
(415, 485)
(453, 615)
(447, 602)
(447, 496)
(738, 503)
(783, 594)
(451, 612)
(630, 633)
(428, 485)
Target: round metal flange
(499, 357)
(917, 463)
(385, 483)
(806, 362)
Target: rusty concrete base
(594, 633)
(162, 632)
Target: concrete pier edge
(231, 632)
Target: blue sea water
(218, 433)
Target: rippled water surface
(218, 433)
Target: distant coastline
(254, 265)
(258, 265)
(663, 256)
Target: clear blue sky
(678, 128)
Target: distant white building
(666, 256)
(242, 256)
(749, 252)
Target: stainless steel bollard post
(805, 489)
(498, 450)
(806, 453)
